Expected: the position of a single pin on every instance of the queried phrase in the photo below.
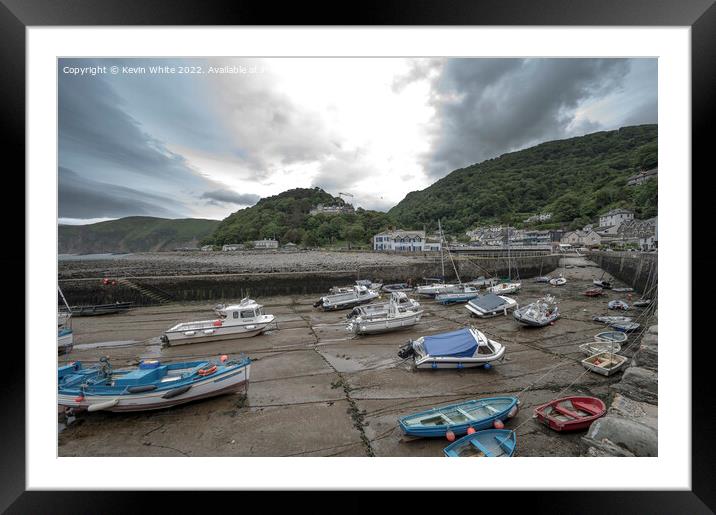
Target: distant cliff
(133, 234)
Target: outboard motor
(354, 313)
(318, 303)
(406, 350)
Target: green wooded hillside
(576, 179)
(287, 217)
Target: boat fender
(102, 405)
(176, 391)
(142, 388)
(206, 371)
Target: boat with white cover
(623, 324)
(241, 320)
(505, 288)
(356, 296)
(464, 348)
(490, 305)
(400, 312)
(538, 314)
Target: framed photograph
(327, 257)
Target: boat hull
(358, 326)
(220, 333)
(231, 381)
(507, 408)
(579, 413)
(436, 362)
(605, 363)
(490, 443)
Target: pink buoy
(498, 424)
(217, 323)
(450, 436)
(223, 358)
(471, 430)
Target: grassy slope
(134, 234)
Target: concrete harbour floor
(316, 390)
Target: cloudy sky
(206, 144)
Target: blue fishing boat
(477, 414)
(491, 443)
(151, 385)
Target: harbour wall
(150, 290)
(637, 269)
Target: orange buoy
(223, 358)
(450, 436)
(471, 430)
(498, 424)
(217, 323)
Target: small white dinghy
(558, 281)
(605, 363)
(592, 348)
(236, 321)
(618, 304)
(399, 313)
(505, 288)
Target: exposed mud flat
(341, 395)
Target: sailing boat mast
(509, 263)
(449, 255)
(442, 244)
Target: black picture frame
(17, 15)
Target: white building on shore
(615, 217)
(265, 244)
(399, 240)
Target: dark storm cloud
(94, 124)
(80, 197)
(486, 107)
(230, 197)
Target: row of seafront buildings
(617, 228)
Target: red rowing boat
(594, 292)
(570, 413)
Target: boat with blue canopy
(151, 385)
(458, 418)
(491, 443)
(464, 348)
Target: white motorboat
(618, 304)
(431, 290)
(345, 300)
(538, 314)
(235, 321)
(482, 281)
(369, 284)
(464, 348)
(505, 288)
(490, 305)
(400, 312)
(465, 294)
